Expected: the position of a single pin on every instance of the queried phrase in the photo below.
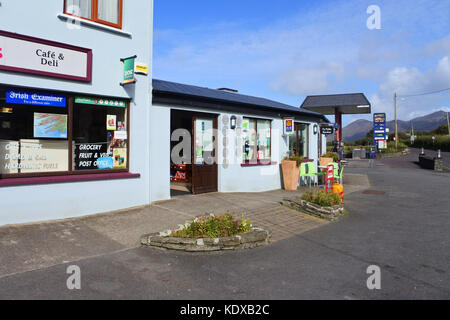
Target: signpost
(288, 127)
(128, 70)
(326, 129)
(35, 99)
(24, 54)
(379, 131)
(101, 102)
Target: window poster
(88, 155)
(288, 126)
(120, 158)
(246, 124)
(9, 156)
(34, 156)
(48, 125)
(111, 122)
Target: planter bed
(329, 213)
(255, 238)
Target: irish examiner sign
(25, 54)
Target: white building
(79, 134)
(55, 67)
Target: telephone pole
(396, 124)
(448, 125)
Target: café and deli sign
(19, 53)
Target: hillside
(359, 128)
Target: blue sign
(105, 163)
(35, 99)
(379, 130)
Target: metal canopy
(352, 103)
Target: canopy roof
(350, 103)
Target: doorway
(299, 141)
(194, 168)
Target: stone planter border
(328, 213)
(256, 238)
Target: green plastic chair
(340, 176)
(308, 170)
(303, 171)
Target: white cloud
(411, 81)
(324, 50)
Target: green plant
(298, 159)
(322, 198)
(441, 142)
(331, 155)
(214, 227)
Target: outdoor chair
(308, 170)
(340, 176)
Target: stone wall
(328, 213)
(435, 164)
(257, 237)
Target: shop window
(299, 141)
(53, 134)
(256, 140)
(107, 12)
(100, 134)
(33, 133)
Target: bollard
(422, 151)
(439, 154)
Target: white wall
(56, 201)
(234, 177)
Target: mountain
(359, 128)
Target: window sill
(68, 17)
(258, 164)
(11, 182)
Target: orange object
(291, 174)
(339, 189)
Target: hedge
(441, 142)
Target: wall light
(233, 122)
(316, 129)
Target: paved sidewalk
(36, 246)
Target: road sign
(327, 130)
(379, 131)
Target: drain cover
(374, 192)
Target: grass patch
(322, 198)
(214, 227)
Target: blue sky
(285, 50)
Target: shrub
(298, 159)
(391, 147)
(441, 142)
(331, 155)
(322, 198)
(214, 227)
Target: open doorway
(195, 169)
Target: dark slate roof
(346, 103)
(173, 88)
